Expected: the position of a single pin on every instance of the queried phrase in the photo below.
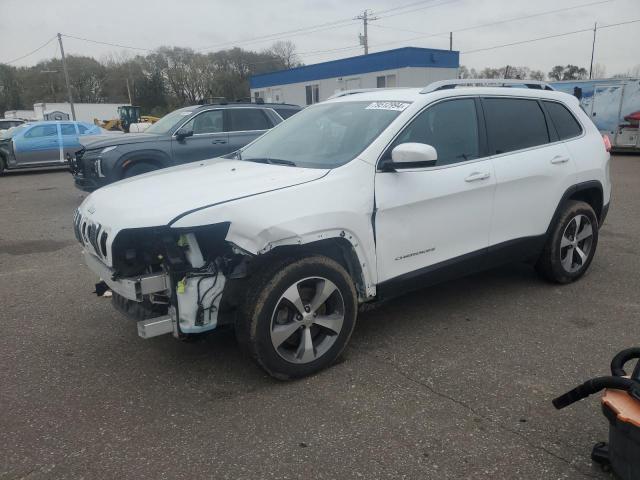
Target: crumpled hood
(156, 198)
(109, 139)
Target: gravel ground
(453, 381)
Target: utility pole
(593, 48)
(66, 78)
(129, 91)
(364, 39)
(450, 40)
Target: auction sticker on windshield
(396, 106)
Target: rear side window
(514, 124)
(286, 112)
(67, 129)
(564, 121)
(451, 127)
(248, 119)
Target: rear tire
(571, 244)
(139, 168)
(3, 166)
(297, 316)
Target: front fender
(339, 205)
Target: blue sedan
(42, 144)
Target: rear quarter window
(563, 120)
(514, 124)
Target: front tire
(298, 316)
(571, 245)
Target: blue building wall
(374, 62)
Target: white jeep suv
(349, 202)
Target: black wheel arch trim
(572, 190)
(148, 155)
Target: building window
(313, 94)
(386, 81)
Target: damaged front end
(169, 280)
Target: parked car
(349, 202)
(7, 123)
(185, 135)
(42, 144)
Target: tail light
(607, 142)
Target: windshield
(13, 131)
(324, 136)
(170, 120)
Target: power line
(321, 27)
(489, 24)
(31, 52)
(107, 43)
(590, 29)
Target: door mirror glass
(412, 154)
(183, 133)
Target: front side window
(324, 136)
(42, 131)
(246, 119)
(514, 124)
(211, 121)
(451, 127)
(565, 123)
(170, 121)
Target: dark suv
(185, 135)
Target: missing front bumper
(133, 288)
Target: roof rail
(344, 93)
(485, 82)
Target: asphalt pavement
(450, 382)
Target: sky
(326, 30)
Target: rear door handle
(475, 176)
(215, 142)
(559, 159)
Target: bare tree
(286, 51)
(599, 71)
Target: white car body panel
(396, 222)
(430, 215)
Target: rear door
(39, 144)
(209, 139)
(245, 125)
(533, 169)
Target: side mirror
(411, 155)
(183, 133)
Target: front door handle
(475, 176)
(217, 142)
(559, 159)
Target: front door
(440, 215)
(37, 145)
(209, 138)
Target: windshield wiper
(272, 161)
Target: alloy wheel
(307, 320)
(576, 243)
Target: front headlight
(108, 149)
(97, 167)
